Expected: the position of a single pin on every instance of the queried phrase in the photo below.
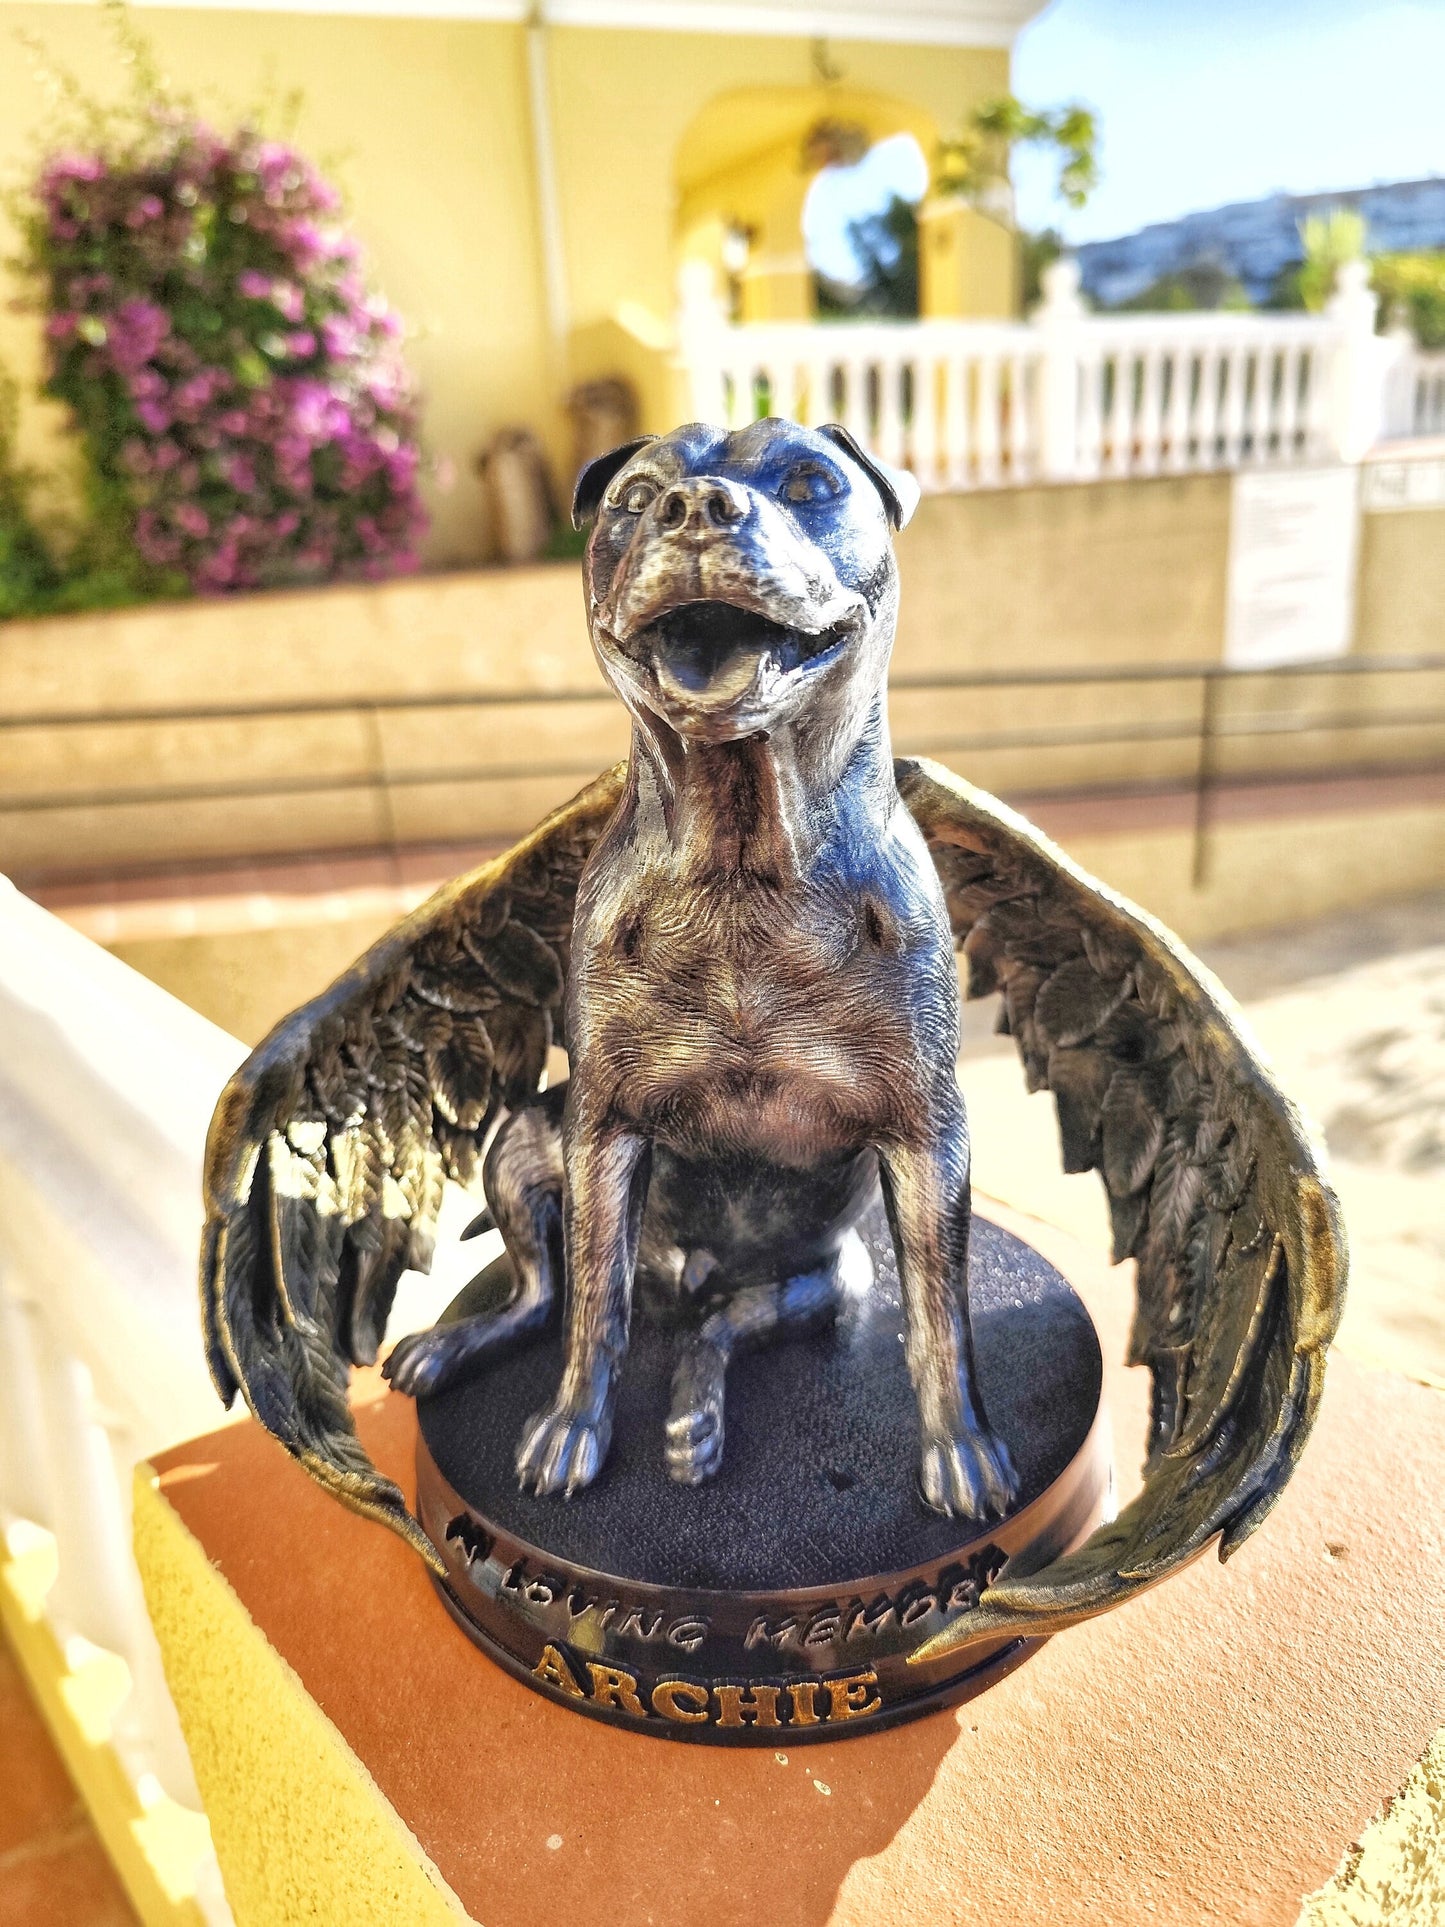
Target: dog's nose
(702, 503)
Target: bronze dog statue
(762, 1012)
(743, 937)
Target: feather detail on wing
(1214, 1183)
(330, 1147)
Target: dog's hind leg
(522, 1178)
(753, 1316)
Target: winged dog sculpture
(331, 1147)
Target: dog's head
(734, 579)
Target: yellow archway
(743, 169)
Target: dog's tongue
(688, 680)
(716, 651)
(705, 665)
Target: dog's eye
(809, 484)
(634, 496)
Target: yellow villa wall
(684, 123)
(427, 125)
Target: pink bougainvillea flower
(306, 476)
(61, 168)
(288, 300)
(303, 241)
(134, 332)
(339, 338)
(241, 473)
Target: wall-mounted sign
(1415, 483)
(1293, 542)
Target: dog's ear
(896, 486)
(592, 482)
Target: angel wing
(330, 1146)
(1214, 1187)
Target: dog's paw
(561, 1451)
(426, 1361)
(695, 1425)
(969, 1477)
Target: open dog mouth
(695, 644)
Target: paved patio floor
(53, 1871)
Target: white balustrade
(107, 1084)
(954, 401)
(1176, 393)
(1417, 393)
(1071, 396)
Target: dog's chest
(744, 1020)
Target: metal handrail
(600, 693)
(1206, 726)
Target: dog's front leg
(562, 1448)
(965, 1468)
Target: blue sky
(1207, 101)
(843, 194)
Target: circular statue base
(778, 1602)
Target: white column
(95, 1591)
(106, 1086)
(702, 338)
(1361, 365)
(544, 172)
(1059, 322)
(22, 1425)
(1401, 382)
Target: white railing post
(22, 1472)
(1408, 385)
(702, 334)
(1058, 322)
(106, 1085)
(1359, 377)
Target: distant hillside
(1253, 241)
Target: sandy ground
(1351, 1011)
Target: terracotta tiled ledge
(1208, 1754)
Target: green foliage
(1411, 288)
(48, 566)
(886, 245)
(565, 544)
(974, 164)
(1202, 285)
(29, 573)
(1037, 252)
(1329, 241)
